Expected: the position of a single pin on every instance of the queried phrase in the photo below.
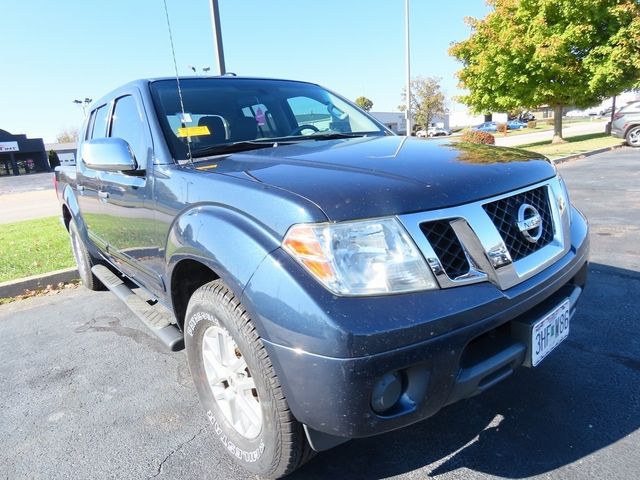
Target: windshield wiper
(333, 136)
(247, 145)
(234, 147)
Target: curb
(587, 154)
(17, 287)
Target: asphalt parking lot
(86, 392)
(26, 197)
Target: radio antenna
(175, 66)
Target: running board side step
(156, 317)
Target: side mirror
(109, 155)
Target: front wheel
(238, 387)
(633, 136)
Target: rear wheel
(238, 387)
(84, 261)
(633, 136)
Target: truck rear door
(88, 180)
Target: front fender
(227, 241)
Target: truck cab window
(101, 117)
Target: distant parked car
(433, 132)
(526, 117)
(626, 124)
(606, 112)
(438, 132)
(589, 112)
(516, 125)
(486, 127)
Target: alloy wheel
(231, 383)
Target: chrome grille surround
(483, 245)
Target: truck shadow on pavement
(582, 398)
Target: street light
(195, 70)
(217, 35)
(83, 104)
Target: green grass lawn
(32, 247)
(573, 146)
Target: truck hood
(379, 176)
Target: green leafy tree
(54, 161)
(364, 103)
(528, 53)
(427, 100)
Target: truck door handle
(102, 194)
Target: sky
(55, 52)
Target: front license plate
(549, 331)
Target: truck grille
(447, 247)
(503, 212)
(481, 241)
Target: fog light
(386, 392)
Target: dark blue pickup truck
(328, 279)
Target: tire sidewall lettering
(233, 449)
(198, 317)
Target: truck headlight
(368, 257)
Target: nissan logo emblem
(529, 223)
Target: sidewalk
(567, 130)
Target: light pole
(408, 62)
(217, 35)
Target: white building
(66, 152)
(464, 118)
(396, 121)
(621, 100)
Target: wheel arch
(630, 127)
(210, 242)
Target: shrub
(475, 136)
(532, 124)
(502, 128)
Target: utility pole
(217, 35)
(408, 62)
(613, 112)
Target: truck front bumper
(330, 356)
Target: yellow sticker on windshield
(193, 131)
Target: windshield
(223, 111)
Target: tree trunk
(557, 125)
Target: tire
(238, 387)
(84, 261)
(633, 136)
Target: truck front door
(126, 220)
